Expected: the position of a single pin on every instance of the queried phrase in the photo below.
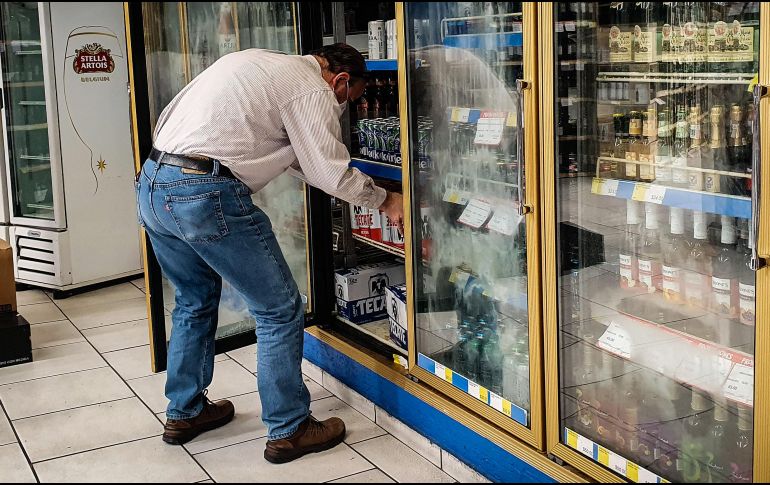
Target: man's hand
(393, 207)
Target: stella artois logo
(93, 58)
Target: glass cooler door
(655, 131)
(32, 186)
(184, 39)
(472, 317)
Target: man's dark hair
(343, 58)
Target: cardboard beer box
(7, 280)
(15, 341)
(396, 306)
(361, 290)
(366, 222)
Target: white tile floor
(89, 409)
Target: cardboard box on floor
(7, 280)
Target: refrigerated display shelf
(722, 204)
(382, 65)
(24, 84)
(485, 41)
(677, 77)
(571, 25)
(473, 389)
(379, 330)
(379, 245)
(377, 169)
(40, 126)
(610, 459)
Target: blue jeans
(204, 228)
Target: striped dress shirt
(261, 113)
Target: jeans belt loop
(215, 172)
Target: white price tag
(474, 389)
(646, 476)
(465, 197)
(616, 340)
(610, 187)
(516, 28)
(440, 371)
(504, 220)
(580, 66)
(618, 464)
(496, 401)
(559, 27)
(489, 129)
(656, 194)
(585, 446)
(569, 26)
(461, 115)
(740, 385)
(476, 213)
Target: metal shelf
(367, 328)
(382, 65)
(722, 204)
(381, 246)
(677, 77)
(377, 169)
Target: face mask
(344, 105)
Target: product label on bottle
(644, 44)
(679, 176)
(711, 183)
(672, 279)
(489, 129)
(631, 168)
(663, 172)
(620, 45)
(731, 43)
(646, 170)
(650, 275)
(476, 213)
(695, 181)
(696, 288)
(747, 303)
(628, 269)
(723, 295)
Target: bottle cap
(633, 212)
(677, 220)
(728, 230)
(651, 211)
(698, 402)
(700, 225)
(745, 418)
(721, 413)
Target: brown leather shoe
(213, 416)
(312, 436)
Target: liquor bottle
(626, 434)
(741, 451)
(713, 182)
(748, 135)
(674, 257)
(618, 169)
(629, 266)
(362, 105)
(693, 453)
(650, 256)
(738, 151)
(634, 144)
(475, 350)
(663, 170)
(647, 149)
(226, 32)
(746, 280)
(724, 281)
(697, 277)
(680, 149)
(377, 103)
(720, 436)
(694, 155)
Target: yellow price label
(506, 407)
(454, 198)
(448, 375)
(453, 277)
(753, 83)
(510, 121)
(455, 115)
(596, 186)
(632, 472)
(640, 193)
(484, 394)
(604, 456)
(572, 439)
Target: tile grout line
(52, 375)
(352, 475)
(98, 448)
(18, 441)
(76, 407)
(371, 463)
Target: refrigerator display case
(471, 153)
(68, 163)
(181, 40)
(653, 280)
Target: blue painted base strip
(476, 451)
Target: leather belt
(202, 164)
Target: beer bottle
(634, 144)
(724, 281)
(694, 155)
(746, 278)
(663, 171)
(713, 182)
(646, 150)
(680, 149)
(693, 454)
(738, 151)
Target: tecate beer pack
(361, 291)
(366, 222)
(395, 304)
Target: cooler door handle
(757, 262)
(523, 208)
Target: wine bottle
(663, 171)
(698, 273)
(713, 182)
(693, 454)
(674, 257)
(680, 148)
(724, 281)
(720, 437)
(694, 155)
(650, 256)
(746, 280)
(741, 451)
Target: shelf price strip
(478, 391)
(609, 459)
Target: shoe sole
(281, 459)
(180, 440)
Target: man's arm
(315, 134)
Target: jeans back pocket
(198, 217)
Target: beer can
(392, 46)
(385, 220)
(377, 39)
(375, 225)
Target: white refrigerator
(68, 143)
